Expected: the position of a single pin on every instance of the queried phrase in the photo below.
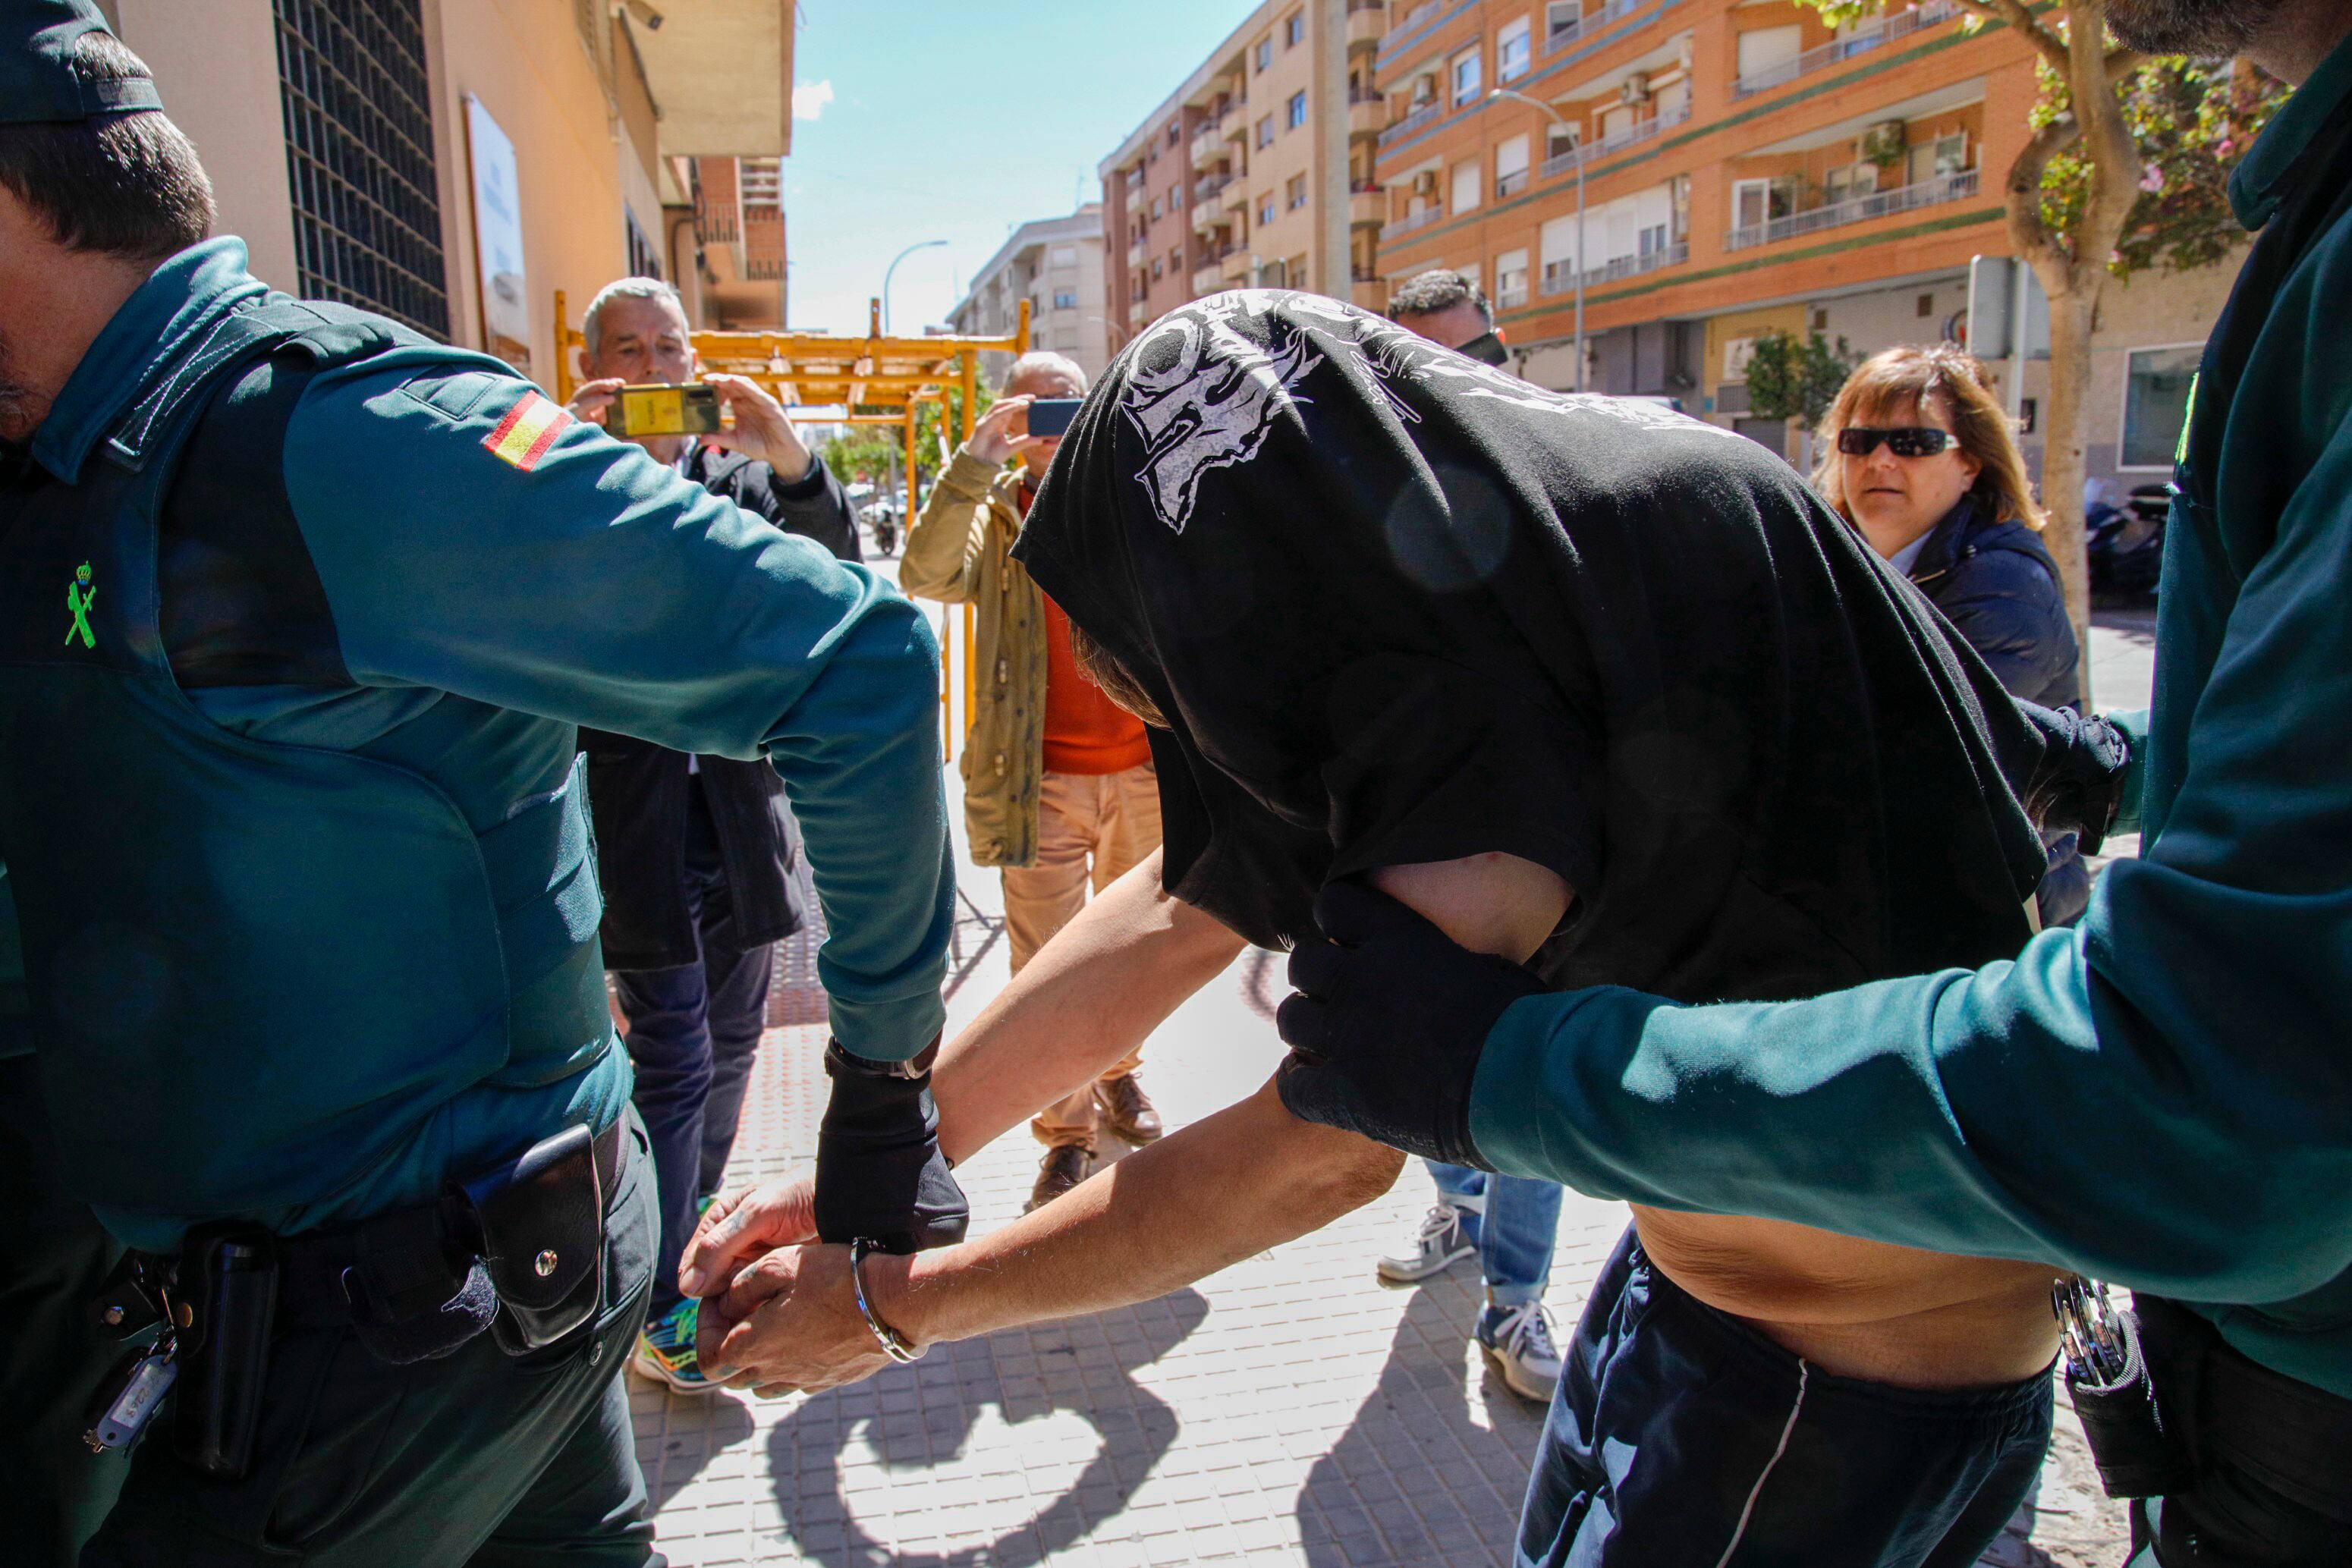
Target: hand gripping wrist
(880, 1176)
(1387, 1025)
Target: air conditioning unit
(1636, 89)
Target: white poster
(498, 239)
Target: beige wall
(215, 63)
(523, 59)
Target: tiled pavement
(1288, 1410)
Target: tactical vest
(254, 969)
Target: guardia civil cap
(39, 78)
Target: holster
(2139, 1440)
(227, 1287)
(537, 1223)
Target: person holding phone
(1058, 786)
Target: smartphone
(1052, 415)
(661, 410)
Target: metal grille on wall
(359, 157)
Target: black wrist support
(879, 1173)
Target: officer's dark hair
(1440, 288)
(122, 185)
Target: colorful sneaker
(664, 1351)
(1518, 1341)
(1438, 1244)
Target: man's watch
(839, 1062)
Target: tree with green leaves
(1793, 378)
(2127, 166)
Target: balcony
(1510, 184)
(1207, 220)
(1367, 113)
(1419, 219)
(1237, 269)
(1367, 203)
(1368, 22)
(1206, 188)
(1422, 114)
(1208, 142)
(1209, 276)
(1136, 254)
(1952, 187)
(1885, 30)
(1367, 292)
(1420, 13)
(1560, 277)
(1566, 33)
(1616, 141)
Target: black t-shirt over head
(1397, 606)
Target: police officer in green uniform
(2160, 1097)
(298, 611)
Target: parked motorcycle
(2125, 545)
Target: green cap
(39, 80)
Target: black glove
(1388, 1023)
(880, 1171)
(2078, 780)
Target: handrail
(1566, 33)
(1559, 277)
(1901, 25)
(1950, 187)
(1413, 122)
(1411, 221)
(1640, 130)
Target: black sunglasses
(1904, 441)
(1488, 349)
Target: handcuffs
(893, 1344)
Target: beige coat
(960, 551)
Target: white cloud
(809, 99)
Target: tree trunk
(2074, 306)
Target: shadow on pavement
(728, 1423)
(1428, 1472)
(915, 1418)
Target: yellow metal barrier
(876, 381)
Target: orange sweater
(1086, 732)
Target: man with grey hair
(697, 854)
(1058, 786)
(1450, 310)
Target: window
(1559, 141)
(1176, 259)
(1465, 186)
(1769, 54)
(1265, 54)
(1846, 184)
(1155, 269)
(2156, 404)
(1758, 201)
(1511, 278)
(1294, 30)
(1155, 209)
(360, 158)
(1510, 167)
(1294, 195)
(1266, 131)
(1563, 17)
(1926, 306)
(1514, 51)
(1066, 300)
(1175, 132)
(1464, 73)
(1947, 154)
(1266, 209)
(644, 261)
(1294, 113)
(1650, 240)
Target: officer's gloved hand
(880, 1171)
(1388, 1024)
(2078, 781)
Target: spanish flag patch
(527, 432)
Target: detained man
(1585, 683)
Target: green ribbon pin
(80, 594)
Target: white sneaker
(1521, 1347)
(1438, 1243)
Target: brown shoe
(1065, 1166)
(1127, 1110)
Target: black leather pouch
(2137, 1440)
(537, 1223)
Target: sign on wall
(498, 238)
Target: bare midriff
(1862, 1309)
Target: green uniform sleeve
(2162, 1097)
(593, 585)
(2133, 726)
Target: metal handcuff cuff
(893, 1344)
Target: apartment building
(1256, 172)
(1057, 265)
(1713, 170)
(452, 164)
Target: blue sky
(942, 119)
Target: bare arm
(1225, 1189)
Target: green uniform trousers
(477, 1458)
(53, 1259)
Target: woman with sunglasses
(1918, 456)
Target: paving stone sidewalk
(1288, 1410)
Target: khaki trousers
(1091, 830)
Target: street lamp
(1577, 141)
(927, 244)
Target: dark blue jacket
(1998, 588)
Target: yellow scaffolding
(876, 381)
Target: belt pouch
(538, 1222)
(228, 1278)
(2135, 1440)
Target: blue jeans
(1514, 1228)
(693, 1032)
